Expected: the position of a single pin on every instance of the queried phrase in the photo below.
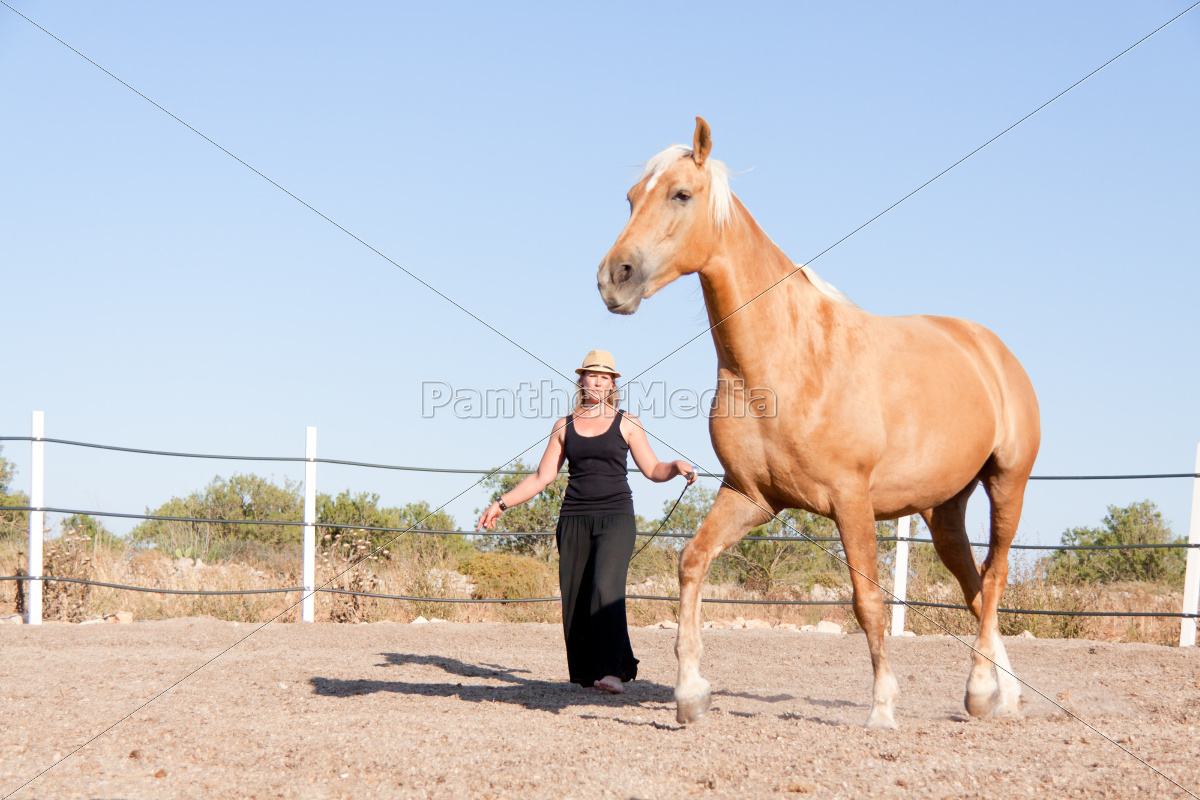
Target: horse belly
(934, 448)
(896, 496)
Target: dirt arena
(483, 710)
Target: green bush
(537, 514)
(363, 509)
(657, 556)
(761, 566)
(1137, 523)
(764, 566)
(240, 498)
(251, 497)
(13, 524)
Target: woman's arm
(534, 482)
(643, 454)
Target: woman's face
(595, 385)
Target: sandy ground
(483, 710)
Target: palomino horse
(874, 418)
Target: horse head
(676, 212)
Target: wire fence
(511, 601)
(378, 529)
(506, 601)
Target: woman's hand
(488, 520)
(685, 469)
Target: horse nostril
(624, 273)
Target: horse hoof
(881, 720)
(692, 709)
(1007, 707)
(982, 705)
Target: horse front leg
(732, 515)
(856, 524)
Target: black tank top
(598, 481)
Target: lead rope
(662, 524)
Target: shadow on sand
(504, 685)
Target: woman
(596, 530)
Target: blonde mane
(825, 287)
(720, 196)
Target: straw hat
(599, 361)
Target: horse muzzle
(621, 285)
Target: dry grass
(429, 567)
(419, 568)
(1027, 589)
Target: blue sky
(158, 294)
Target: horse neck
(744, 265)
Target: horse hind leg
(992, 688)
(730, 518)
(948, 527)
(947, 524)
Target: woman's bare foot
(611, 684)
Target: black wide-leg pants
(593, 562)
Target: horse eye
(682, 197)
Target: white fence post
(900, 574)
(37, 519)
(310, 520)
(1191, 578)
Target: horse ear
(701, 142)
